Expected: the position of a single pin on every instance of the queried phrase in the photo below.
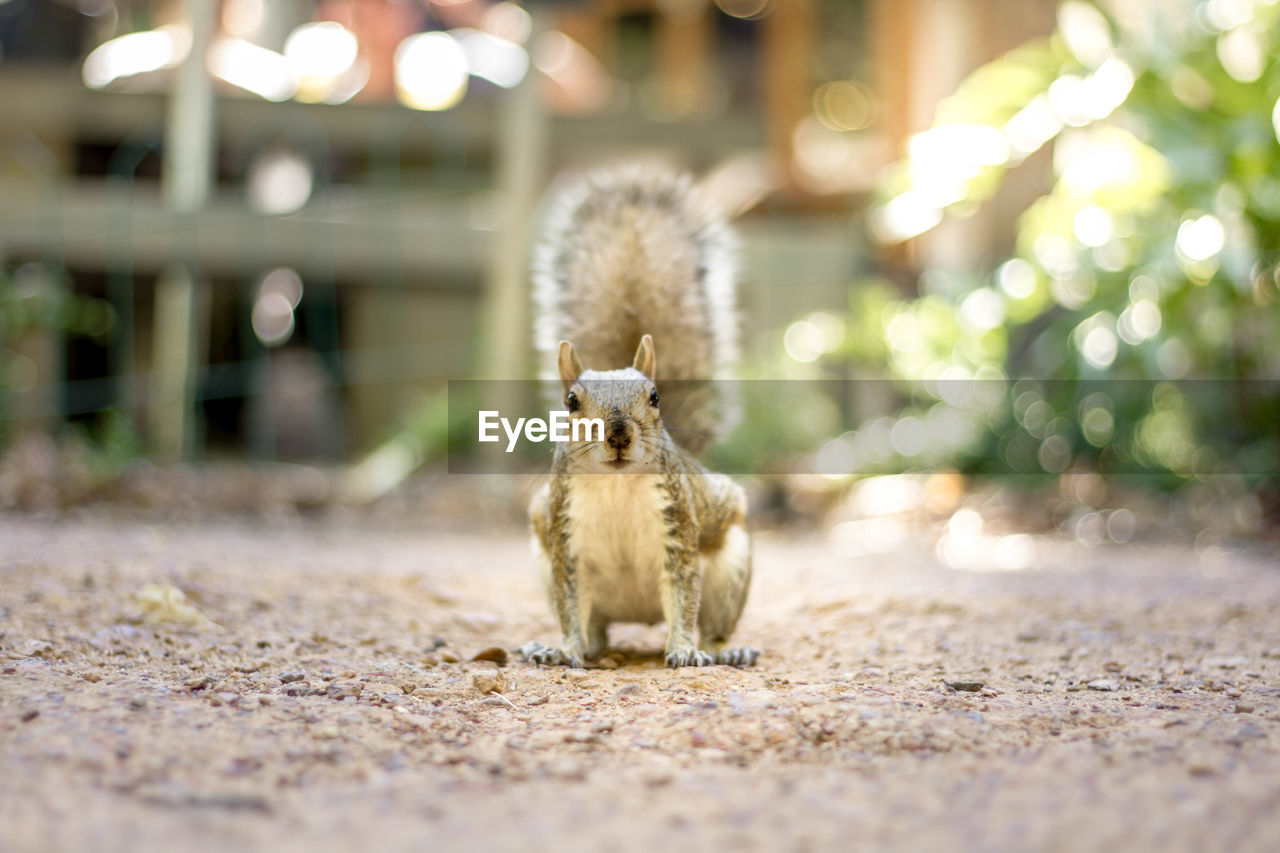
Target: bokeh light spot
(431, 71)
(1200, 239)
(803, 341)
(845, 105)
(1017, 278)
(747, 9)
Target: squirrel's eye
(653, 397)
(571, 400)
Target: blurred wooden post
(187, 178)
(594, 26)
(521, 164)
(684, 47)
(893, 30)
(893, 24)
(788, 78)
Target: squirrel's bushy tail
(632, 251)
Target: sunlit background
(1033, 246)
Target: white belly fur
(617, 535)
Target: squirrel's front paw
(692, 657)
(551, 656)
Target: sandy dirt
(1112, 697)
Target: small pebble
(138, 701)
(490, 682)
(290, 677)
(966, 686)
(302, 689)
(494, 653)
(343, 691)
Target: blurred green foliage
(1137, 324)
(37, 299)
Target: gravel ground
(316, 689)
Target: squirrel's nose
(618, 437)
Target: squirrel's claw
(676, 660)
(740, 657)
(536, 652)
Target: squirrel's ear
(569, 364)
(645, 362)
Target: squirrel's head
(624, 401)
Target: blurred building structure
(362, 187)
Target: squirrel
(634, 267)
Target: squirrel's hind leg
(597, 637)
